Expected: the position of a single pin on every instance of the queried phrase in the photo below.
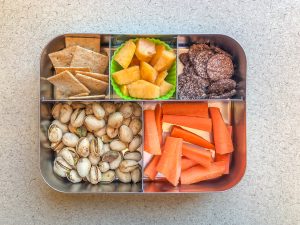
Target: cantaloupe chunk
(135, 61)
(148, 73)
(127, 76)
(164, 88)
(143, 89)
(145, 50)
(165, 61)
(126, 53)
(159, 49)
(161, 77)
(124, 90)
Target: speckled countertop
(269, 31)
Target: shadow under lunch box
(233, 111)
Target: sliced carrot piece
(151, 138)
(189, 121)
(170, 161)
(199, 109)
(201, 156)
(187, 163)
(200, 173)
(158, 120)
(191, 137)
(150, 170)
(222, 138)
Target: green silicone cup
(171, 77)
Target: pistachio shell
(106, 139)
(77, 117)
(61, 167)
(103, 166)
(90, 136)
(74, 177)
(93, 124)
(109, 107)
(128, 165)
(98, 110)
(70, 139)
(101, 132)
(83, 147)
(112, 132)
(125, 134)
(135, 143)
(126, 109)
(96, 147)
(94, 175)
(106, 148)
(69, 155)
(89, 109)
(137, 156)
(108, 176)
(123, 177)
(136, 126)
(83, 167)
(57, 146)
(56, 110)
(72, 129)
(55, 134)
(126, 121)
(136, 175)
(113, 158)
(61, 125)
(137, 110)
(65, 113)
(94, 159)
(115, 120)
(117, 145)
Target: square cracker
(62, 58)
(94, 85)
(71, 69)
(66, 83)
(97, 76)
(86, 58)
(91, 43)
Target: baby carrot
(150, 170)
(199, 109)
(187, 163)
(201, 156)
(151, 138)
(158, 120)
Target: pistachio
(65, 113)
(117, 145)
(55, 134)
(70, 139)
(94, 175)
(108, 176)
(126, 121)
(94, 159)
(74, 177)
(98, 110)
(96, 147)
(101, 132)
(112, 132)
(136, 175)
(81, 131)
(135, 125)
(125, 134)
(57, 146)
(123, 177)
(137, 109)
(69, 155)
(113, 158)
(93, 124)
(56, 110)
(90, 136)
(83, 167)
(106, 148)
(126, 109)
(115, 120)
(135, 143)
(106, 139)
(128, 165)
(72, 129)
(61, 167)
(83, 147)
(62, 126)
(137, 156)
(89, 109)
(109, 107)
(103, 166)
(77, 117)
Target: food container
(234, 110)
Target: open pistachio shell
(55, 134)
(70, 139)
(117, 145)
(135, 155)
(61, 125)
(61, 167)
(135, 143)
(100, 132)
(103, 166)
(126, 109)
(56, 110)
(125, 134)
(136, 175)
(94, 175)
(65, 113)
(83, 167)
(94, 159)
(137, 110)
(136, 126)
(57, 146)
(115, 120)
(108, 176)
(93, 124)
(109, 107)
(123, 177)
(128, 165)
(83, 147)
(77, 117)
(69, 155)
(74, 177)
(98, 110)
(106, 139)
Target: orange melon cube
(164, 88)
(145, 50)
(165, 61)
(161, 77)
(143, 89)
(159, 49)
(126, 53)
(148, 73)
(127, 76)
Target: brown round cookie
(191, 73)
(200, 62)
(222, 86)
(228, 94)
(219, 67)
(196, 48)
(184, 58)
(191, 87)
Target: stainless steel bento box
(235, 109)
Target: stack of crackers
(79, 69)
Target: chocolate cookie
(224, 95)
(191, 73)
(222, 86)
(200, 62)
(219, 66)
(184, 58)
(196, 48)
(191, 87)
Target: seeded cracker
(97, 76)
(62, 58)
(222, 86)
(71, 69)
(92, 43)
(94, 85)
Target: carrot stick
(158, 120)
(170, 161)
(186, 109)
(189, 121)
(200, 173)
(150, 170)
(187, 163)
(201, 156)
(151, 138)
(222, 139)
(190, 137)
